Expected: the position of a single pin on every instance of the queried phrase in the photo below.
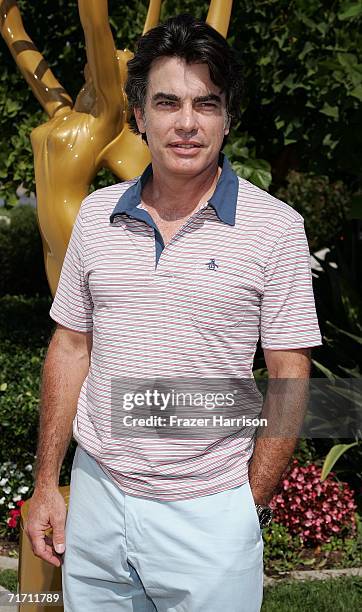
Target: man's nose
(186, 118)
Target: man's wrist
(46, 481)
(261, 498)
(45, 486)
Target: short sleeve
(72, 305)
(288, 317)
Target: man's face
(184, 118)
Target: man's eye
(208, 105)
(165, 103)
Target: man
(170, 276)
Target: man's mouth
(185, 145)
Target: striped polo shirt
(236, 271)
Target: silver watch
(265, 515)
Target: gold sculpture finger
(153, 15)
(219, 14)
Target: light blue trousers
(125, 553)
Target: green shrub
(21, 253)
(323, 204)
(284, 552)
(305, 451)
(281, 550)
(25, 330)
(19, 398)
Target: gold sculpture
(91, 133)
(80, 137)
(69, 149)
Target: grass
(9, 579)
(338, 594)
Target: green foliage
(241, 153)
(285, 553)
(21, 253)
(19, 399)
(25, 329)
(16, 166)
(350, 9)
(323, 204)
(304, 452)
(281, 550)
(344, 552)
(337, 289)
(104, 178)
(303, 70)
(334, 454)
(9, 580)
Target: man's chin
(186, 165)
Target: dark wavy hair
(194, 41)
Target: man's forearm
(270, 458)
(284, 409)
(65, 369)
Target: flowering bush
(14, 515)
(14, 484)
(314, 510)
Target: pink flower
(14, 515)
(314, 510)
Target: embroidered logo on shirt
(212, 265)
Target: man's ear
(227, 125)
(139, 116)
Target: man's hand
(47, 510)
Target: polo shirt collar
(223, 200)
